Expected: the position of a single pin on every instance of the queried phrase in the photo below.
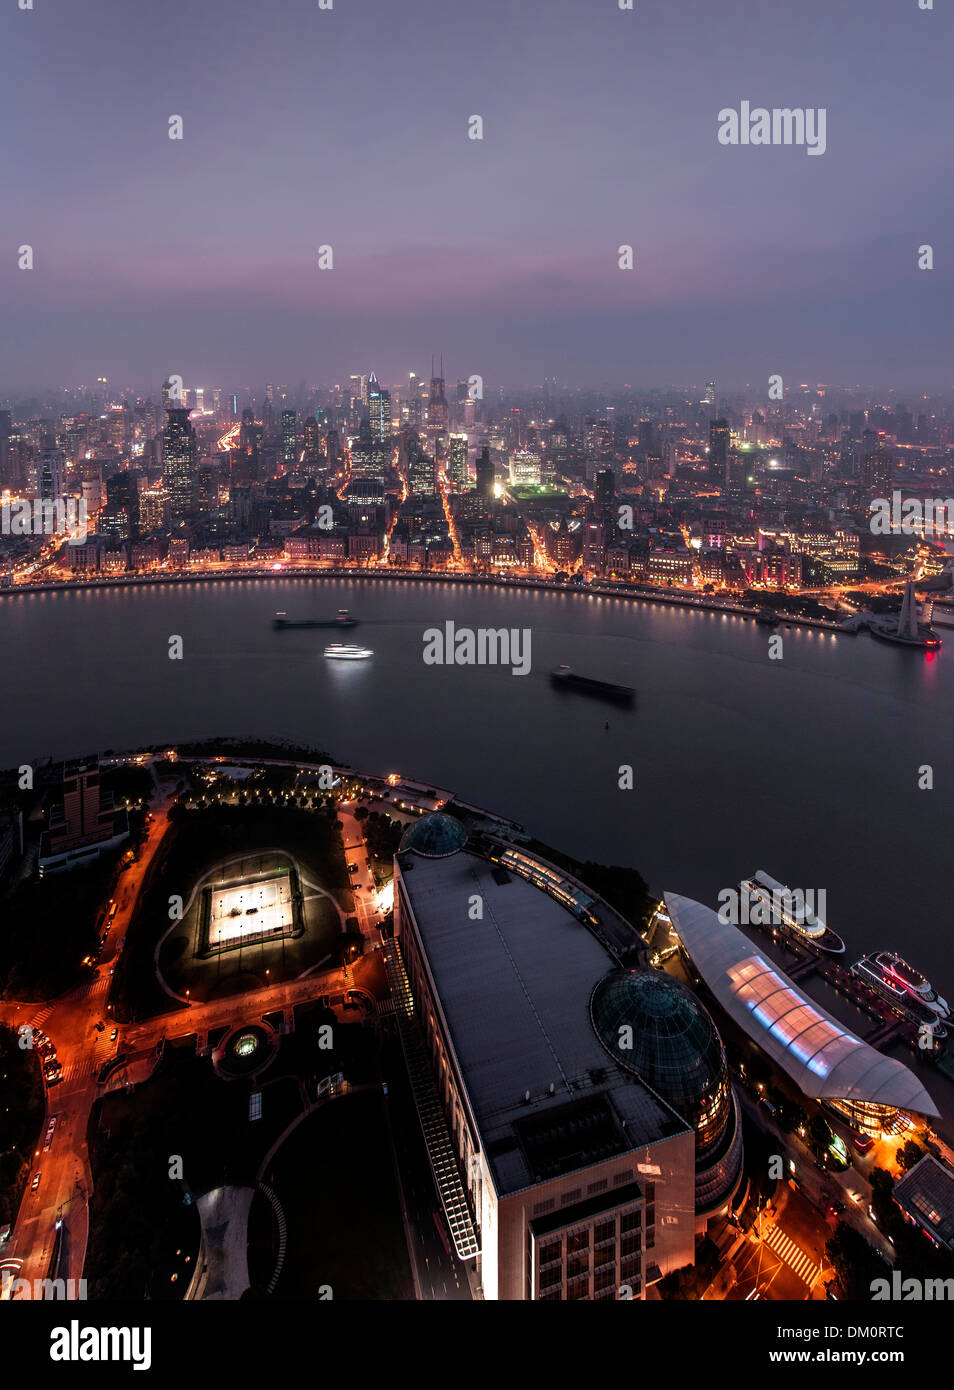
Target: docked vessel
(565, 678)
(767, 617)
(338, 651)
(906, 988)
(792, 912)
(342, 619)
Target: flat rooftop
(515, 990)
(927, 1192)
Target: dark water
(806, 767)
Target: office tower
(594, 544)
(421, 468)
(83, 824)
(437, 413)
(268, 411)
(289, 438)
(122, 498)
(875, 470)
(457, 462)
(48, 473)
(485, 475)
(710, 396)
(524, 468)
(370, 458)
(718, 449)
(153, 509)
(605, 491)
(179, 453)
(379, 411)
(312, 441)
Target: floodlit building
(563, 1172)
(825, 1059)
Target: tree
(909, 1155)
(856, 1263)
(361, 813)
(819, 1132)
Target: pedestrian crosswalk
(38, 1019)
(803, 1265)
(78, 1071)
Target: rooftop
(823, 1057)
(927, 1192)
(514, 989)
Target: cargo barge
(565, 678)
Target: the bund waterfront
(807, 766)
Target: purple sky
(349, 127)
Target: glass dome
(653, 1025)
(434, 836)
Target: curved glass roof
(653, 1025)
(434, 836)
(823, 1057)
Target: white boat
(892, 976)
(339, 651)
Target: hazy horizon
(348, 128)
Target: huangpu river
(807, 767)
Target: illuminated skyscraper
(718, 448)
(437, 414)
(179, 452)
(379, 411)
(457, 462)
(289, 438)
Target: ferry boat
(800, 922)
(892, 976)
(341, 619)
(564, 677)
(338, 651)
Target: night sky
(349, 127)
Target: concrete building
(578, 1178)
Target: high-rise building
(876, 469)
(719, 434)
(83, 824)
(437, 413)
(179, 454)
(379, 411)
(122, 499)
(457, 462)
(289, 438)
(524, 468)
(485, 475)
(605, 491)
(48, 473)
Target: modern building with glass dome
(654, 1026)
(581, 1164)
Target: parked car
(35, 1183)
